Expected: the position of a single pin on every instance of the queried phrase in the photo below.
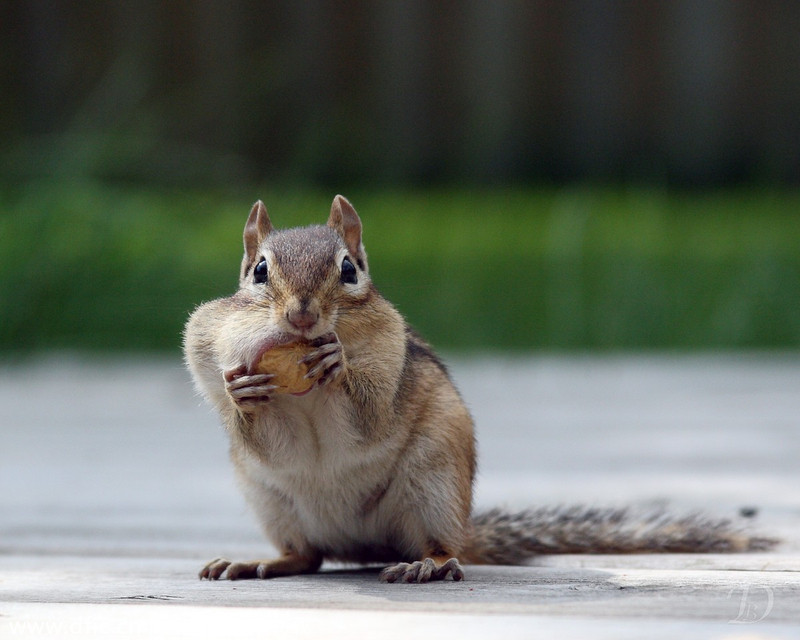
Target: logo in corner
(755, 604)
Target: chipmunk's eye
(260, 272)
(349, 275)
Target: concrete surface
(115, 489)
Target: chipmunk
(376, 462)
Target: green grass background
(92, 266)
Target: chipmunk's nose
(302, 318)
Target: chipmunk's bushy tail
(502, 537)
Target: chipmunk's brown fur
(376, 463)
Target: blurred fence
(690, 91)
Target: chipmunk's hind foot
(426, 570)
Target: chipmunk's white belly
(343, 514)
(341, 493)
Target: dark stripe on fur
(418, 349)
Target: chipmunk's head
(305, 278)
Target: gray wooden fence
(698, 91)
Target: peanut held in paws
(283, 362)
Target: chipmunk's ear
(256, 229)
(345, 221)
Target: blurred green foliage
(92, 266)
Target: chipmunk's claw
(214, 569)
(326, 362)
(248, 391)
(423, 571)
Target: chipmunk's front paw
(248, 392)
(423, 571)
(326, 363)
